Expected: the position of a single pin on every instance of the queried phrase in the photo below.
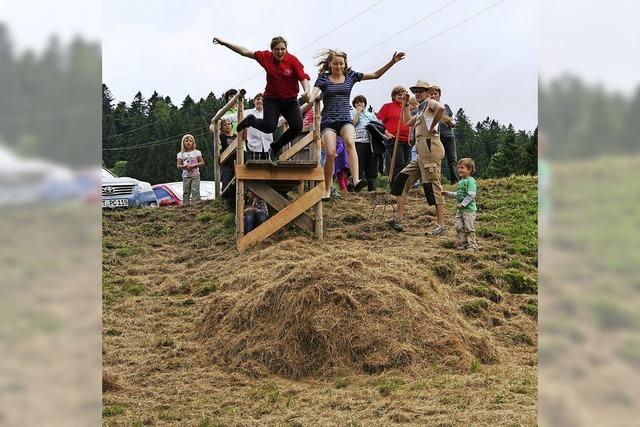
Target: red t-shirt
(389, 114)
(283, 76)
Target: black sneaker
(396, 224)
(359, 186)
(272, 157)
(245, 123)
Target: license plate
(115, 203)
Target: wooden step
(283, 163)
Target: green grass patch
(445, 271)
(204, 217)
(476, 367)
(128, 251)
(109, 411)
(475, 307)
(531, 307)
(206, 287)
(488, 275)
(484, 291)
(388, 385)
(518, 283)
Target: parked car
(126, 192)
(170, 193)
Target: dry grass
(195, 334)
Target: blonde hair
(184, 138)
(326, 56)
(276, 40)
(468, 163)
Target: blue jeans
(253, 219)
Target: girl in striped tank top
(335, 80)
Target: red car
(170, 193)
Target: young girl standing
(190, 160)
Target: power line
(445, 30)
(405, 29)
(158, 142)
(182, 133)
(455, 25)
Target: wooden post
(216, 159)
(240, 182)
(316, 150)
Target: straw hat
(421, 84)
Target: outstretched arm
(397, 56)
(237, 49)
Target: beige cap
(421, 84)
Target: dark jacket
(376, 130)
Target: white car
(126, 192)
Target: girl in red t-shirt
(284, 71)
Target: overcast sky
(486, 65)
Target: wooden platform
(291, 187)
(288, 163)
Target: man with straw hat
(430, 154)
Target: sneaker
(437, 231)
(396, 224)
(245, 123)
(272, 157)
(359, 186)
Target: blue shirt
(336, 96)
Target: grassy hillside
(368, 327)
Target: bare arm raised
(397, 56)
(237, 49)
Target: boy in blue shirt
(465, 194)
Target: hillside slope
(368, 327)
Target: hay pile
(296, 311)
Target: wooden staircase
(297, 169)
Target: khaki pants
(427, 167)
(466, 229)
(190, 189)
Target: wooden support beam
(216, 156)
(282, 218)
(229, 185)
(279, 202)
(318, 220)
(228, 151)
(279, 173)
(295, 149)
(240, 183)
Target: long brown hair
(326, 56)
